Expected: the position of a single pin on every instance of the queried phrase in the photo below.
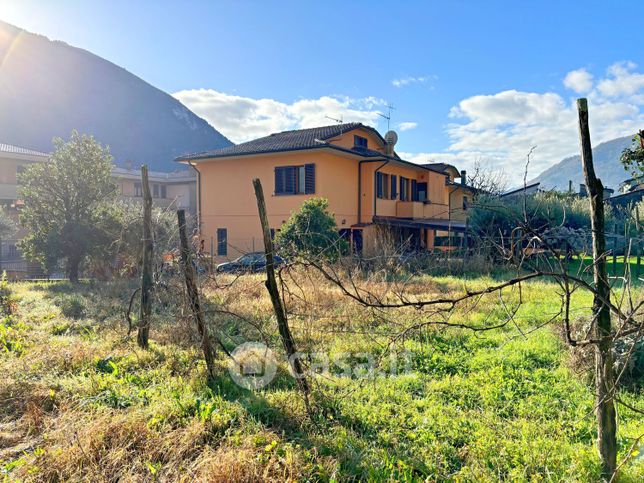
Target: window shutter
(403, 194)
(379, 184)
(414, 190)
(279, 181)
(222, 242)
(310, 179)
(290, 173)
(394, 185)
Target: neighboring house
(351, 165)
(13, 160)
(631, 192)
(531, 189)
(169, 190)
(172, 190)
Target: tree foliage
(311, 232)
(632, 158)
(69, 210)
(562, 218)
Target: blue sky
(470, 80)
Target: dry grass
(79, 401)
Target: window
(138, 190)
(360, 142)
(156, 190)
(394, 187)
(404, 194)
(222, 242)
(465, 202)
(164, 191)
(294, 180)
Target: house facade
(13, 160)
(370, 189)
(169, 190)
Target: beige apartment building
(169, 190)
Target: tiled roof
(442, 167)
(287, 141)
(9, 149)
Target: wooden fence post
(271, 285)
(143, 332)
(193, 296)
(604, 371)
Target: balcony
(421, 210)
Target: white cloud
(406, 126)
(500, 128)
(580, 81)
(622, 81)
(404, 81)
(243, 118)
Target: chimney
(463, 177)
(569, 186)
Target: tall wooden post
(604, 372)
(146, 268)
(271, 285)
(193, 296)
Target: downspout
(449, 203)
(360, 184)
(198, 195)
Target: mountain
(607, 166)
(48, 88)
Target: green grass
(78, 399)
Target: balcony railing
(419, 210)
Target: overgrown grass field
(79, 400)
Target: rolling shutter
(310, 179)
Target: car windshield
(250, 258)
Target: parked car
(250, 262)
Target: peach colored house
(370, 189)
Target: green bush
(311, 233)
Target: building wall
(456, 202)
(228, 200)
(346, 140)
(178, 195)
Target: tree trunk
(73, 264)
(143, 333)
(604, 371)
(193, 296)
(271, 284)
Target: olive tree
(68, 204)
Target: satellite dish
(392, 138)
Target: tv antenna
(339, 121)
(390, 107)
